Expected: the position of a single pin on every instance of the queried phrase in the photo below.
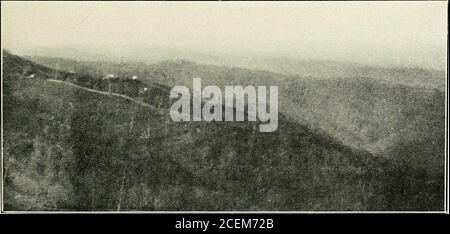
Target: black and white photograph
(224, 107)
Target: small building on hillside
(109, 76)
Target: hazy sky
(401, 33)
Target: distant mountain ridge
(318, 69)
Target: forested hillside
(366, 109)
(67, 148)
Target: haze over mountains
(305, 68)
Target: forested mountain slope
(71, 149)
